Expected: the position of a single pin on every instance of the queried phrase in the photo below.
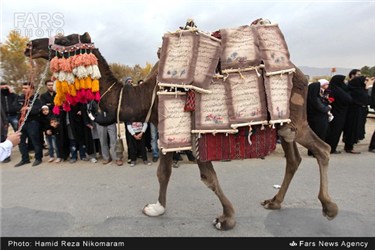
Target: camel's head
(40, 48)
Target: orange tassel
(64, 87)
(65, 64)
(58, 86)
(82, 83)
(95, 85)
(72, 89)
(76, 83)
(88, 82)
(57, 101)
(78, 61)
(54, 64)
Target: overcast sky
(318, 33)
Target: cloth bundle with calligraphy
(277, 73)
(174, 123)
(188, 59)
(250, 90)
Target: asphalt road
(91, 199)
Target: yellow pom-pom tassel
(82, 83)
(57, 101)
(65, 87)
(58, 86)
(95, 85)
(76, 83)
(88, 82)
(72, 89)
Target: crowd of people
(339, 108)
(85, 132)
(335, 109)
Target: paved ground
(87, 199)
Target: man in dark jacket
(31, 127)
(48, 97)
(8, 97)
(106, 127)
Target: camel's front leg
(293, 159)
(164, 173)
(321, 151)
(225, 221)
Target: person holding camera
(8, 97)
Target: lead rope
(152, 104)
(119, 149)
(35, 96)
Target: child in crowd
(137, 141)
(54, 123)
(46, 117)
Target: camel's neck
(135, 101)
(107, 76)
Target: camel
(136, 102)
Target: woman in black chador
(317, 111)
(339, 91)
(353, 131)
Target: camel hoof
(217, 223)
(153, 210)
(224, 224)
(330, 211)
(270, 204)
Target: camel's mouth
(28, 49)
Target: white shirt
(5, 149)
(136, 127)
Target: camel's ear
(85, 38)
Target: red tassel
(89, 95)
(190, 101)
(66, 107)
(97, 96)
(56, 110)
(73, 101)
(69, 98)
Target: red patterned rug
(221, 147)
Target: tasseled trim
(95, 86)
(66, 106)
(97, 96)
(76, 79)
(95, 72)
(56, 110)
(54, 64)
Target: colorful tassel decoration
(76, 77)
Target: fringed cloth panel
(221, 147)
(188, 58)
(174, 122)
(240, 48)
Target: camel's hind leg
(225, 221)
(293, 159)
(321, 151)
(164, 173)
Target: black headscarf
(337, 81)
(357, 89)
